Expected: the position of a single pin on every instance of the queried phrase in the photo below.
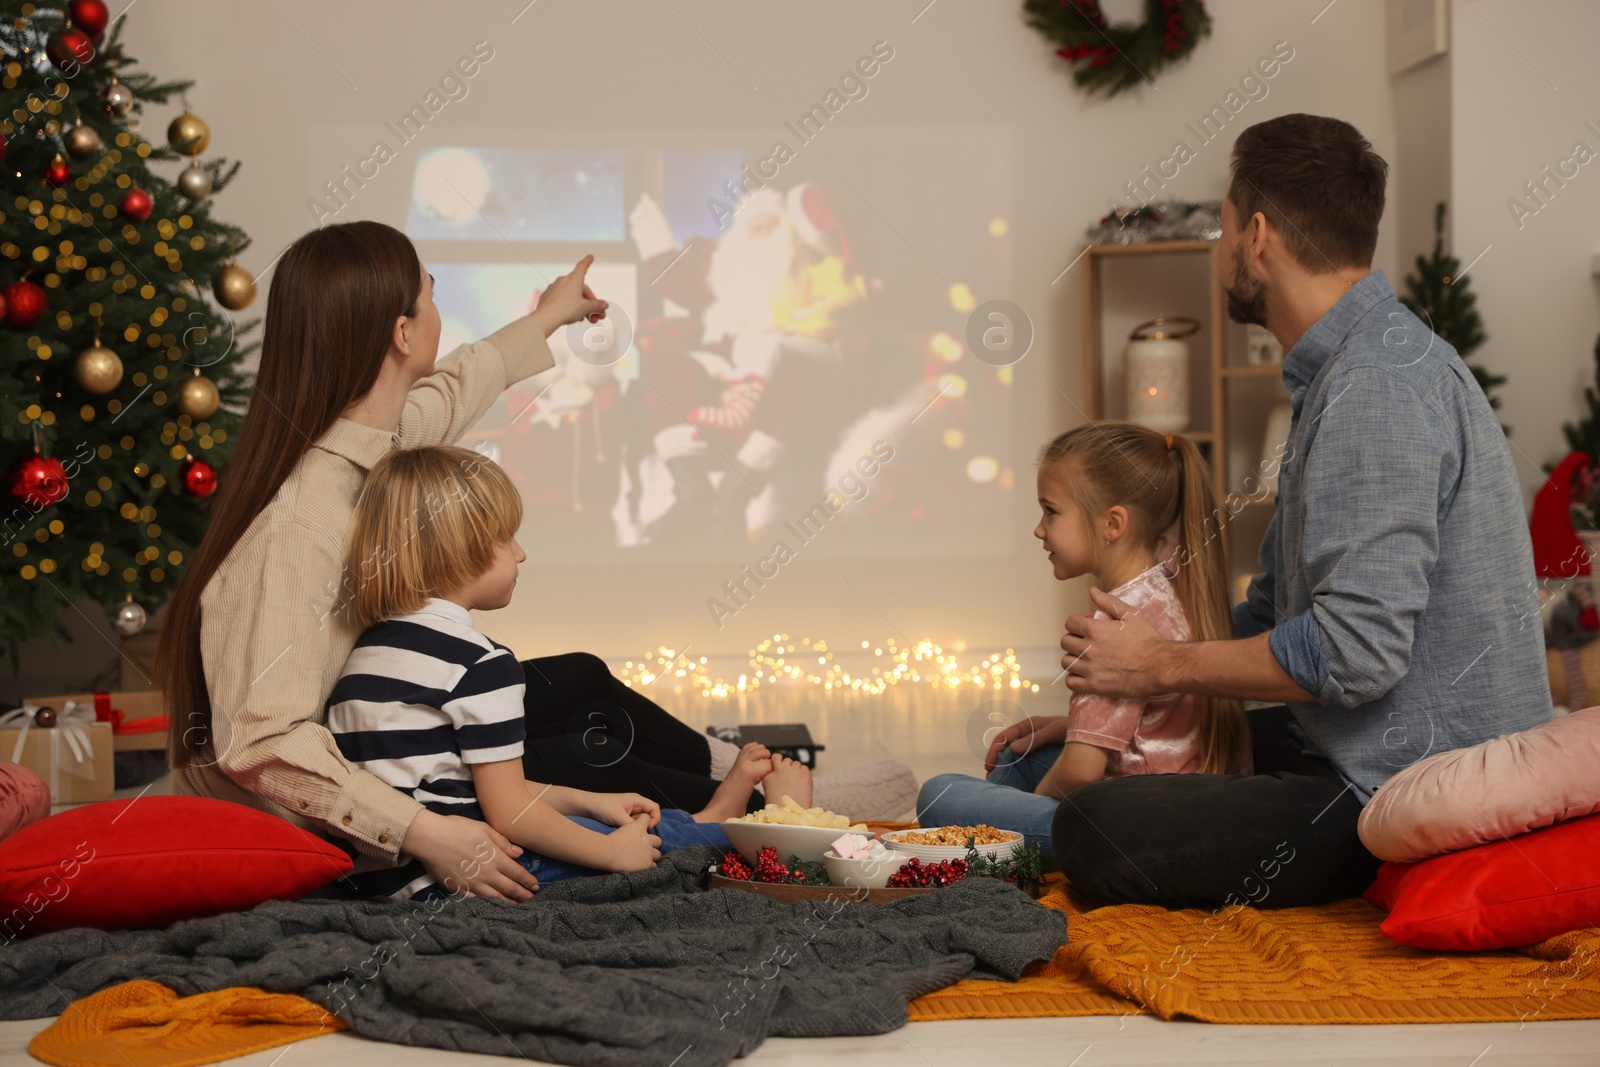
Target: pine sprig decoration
(1025, 864)
(126, 525)
(1438, 296)
(1111, 58)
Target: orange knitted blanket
(1326, 964)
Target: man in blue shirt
(1396, 614)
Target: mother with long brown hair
(255, 635)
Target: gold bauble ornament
(198, 397)
(195, 182)
(189, 134)
(98, 369)
(82, 141)
(234, 287)
(118, 98)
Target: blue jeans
(677, 829)
(1007, 800)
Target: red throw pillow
(151, 861)
(1510, 893)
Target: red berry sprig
(734, 866)
(914, 873)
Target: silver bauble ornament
(129, 619)
(82, 141)
(118, 98)
(195, 182)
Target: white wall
(268, 73)
(1523, 90)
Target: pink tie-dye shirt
(1143, 735)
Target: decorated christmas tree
(1439, 297)
(120, 363)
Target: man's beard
(1247, 296)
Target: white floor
(935, 731)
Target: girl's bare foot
(752, 764)
(788, 778)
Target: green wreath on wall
(1113, 58)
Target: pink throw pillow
(1489, 792)
(24, 798)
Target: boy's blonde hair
(427, 523)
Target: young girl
(1134, 509)
(435, 708)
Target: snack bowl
(870, 873)
(934, 853)
(807, 842)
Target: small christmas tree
(1584, 435)
(1448, 305)
(117, 376)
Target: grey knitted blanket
(628, 969)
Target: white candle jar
(1156, 370)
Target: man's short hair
(1318, 181)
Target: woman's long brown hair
(331, 312)
(1166, 490)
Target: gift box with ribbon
(138, 717)
(72, 754)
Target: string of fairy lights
(778, 660)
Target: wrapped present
(72, 753)
(138, 717)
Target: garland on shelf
(1113, 58)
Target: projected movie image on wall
(761, 341)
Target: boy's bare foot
(788, 778)
(752, 764)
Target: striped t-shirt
(422, 696)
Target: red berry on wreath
(90, 16)
(38, 481)
(137, 204)
(199, 477)
(25, 304)
(70, 49)
(57, 173)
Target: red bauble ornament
(136, 204)
(70, 49)
(199, 478)
(57, 173)
(38, 481)
(90, 16)
(25, 303)
(4, 144)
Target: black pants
(587, 730)
(1282, 837)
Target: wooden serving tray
(794, 894)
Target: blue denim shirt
(1398, 584)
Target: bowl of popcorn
(793, 830)
(858, 862)
(936, 843)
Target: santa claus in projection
(736, 373)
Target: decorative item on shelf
(1274, 446)
(25, 303)
(198, 397)
(199, 477)
(189, 133)
(234, 287)
(82, 142)
(1112, 57)
(1157, 374)
(1160, 220)
(1260, 346)
(130, 617)
(194, 182)
(57, 172)
(137, 204)
(97, 368)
